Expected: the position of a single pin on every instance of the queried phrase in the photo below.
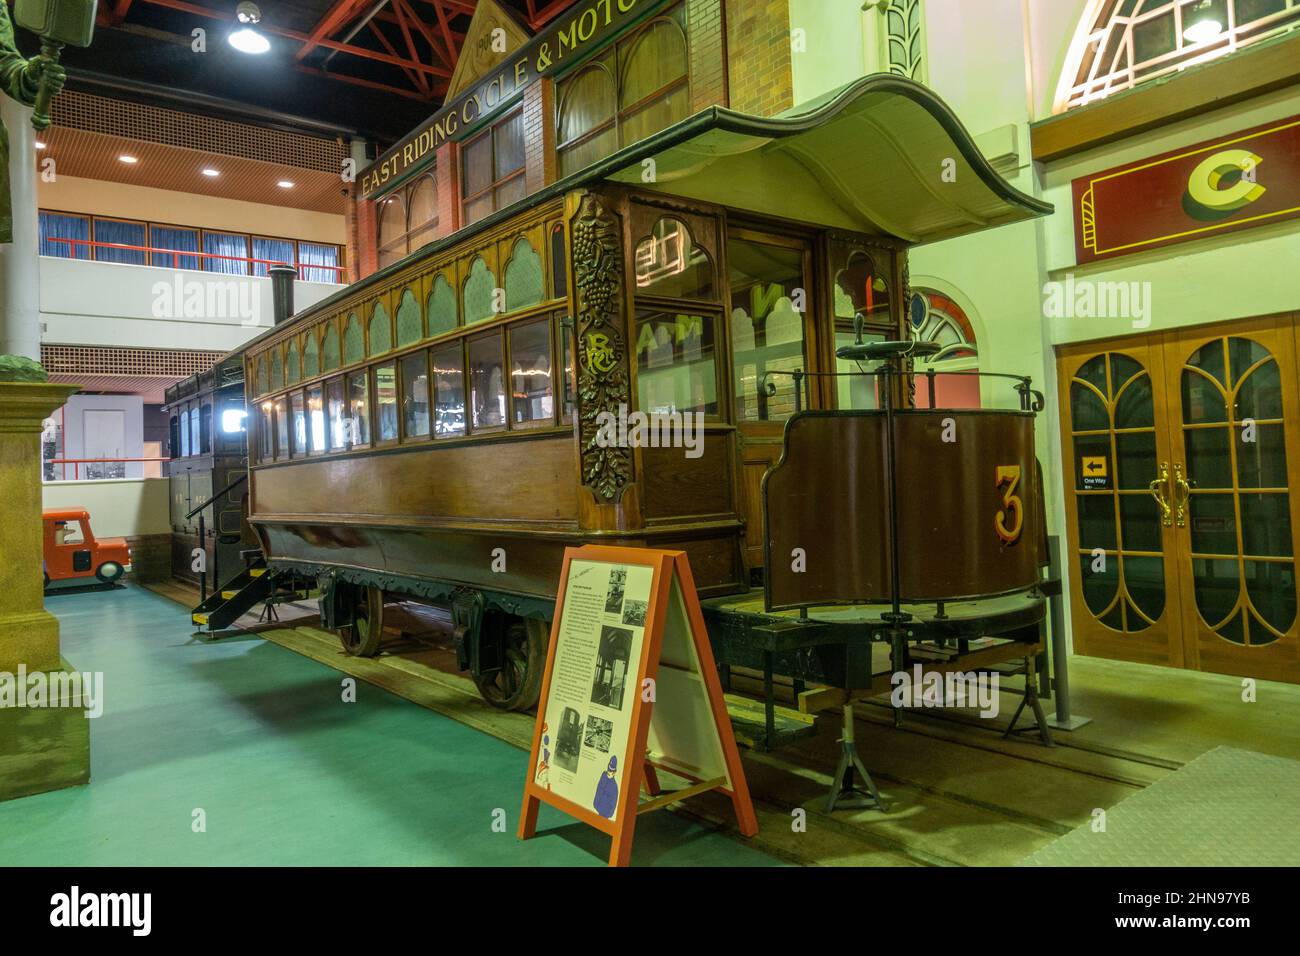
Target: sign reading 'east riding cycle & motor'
(1239, 181)
(576, 33)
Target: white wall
(106, 303)
(118, 508)
(77, 430)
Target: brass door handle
(1180, 500)
(1161, 500)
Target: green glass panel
(1115, 619)
(1087, 410)
(381, 334)
(1092, 371)
(263, 376)
(1209, 359)
(354, 349)
(1209, 456)
(1260, 393)
(1214, 524)
(277, 371)
(442, 307)
(1122, 368)
(523, 277)
(1099, 586)
(1260, 463)
(1202, 399)
(1139, 517)
(479, 289)
(311, 357)
(329, 358)
(1096, 521)
(1144, 579)
(1216, 584)
(1133, 408)
(1266, 524)
(292, 367)
(409, 326)
(1232, 630)
(1242, 354)
(1136, 454)
(1133, 619)
(1272, 589)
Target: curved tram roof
(868, 157)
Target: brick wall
(362, 256)
(539, 135)
(447, 173)
(707, 54)
(151, 557)
(759, 80)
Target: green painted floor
(286, 773)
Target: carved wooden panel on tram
(608, 349)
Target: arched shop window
(311, 357)
(1121, 43)
(381, 333)
(638, 87)
(479, 289)
(408, 219)
(523, 276)
(330, 347)
(354, 349)
(409, 325)
(935, 317)
(442, 306)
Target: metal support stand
(1030, 698)
(1063, 720)
(844, 791)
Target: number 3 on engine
(1011, 518)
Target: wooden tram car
(435, 430)
(209, 454)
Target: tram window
(669, 263)
(281, 429)
(449, 390)
(676, 371)
(205, 429)
(194, 431)
(767, 332)
(265, 434)
(336, 412)
(175, 437)
(493, 168)
(415, 395)
(863, 286)
(299, 414)
(357, 430)
(316, 420)
(233, 420)
(487, 393)
(856, 391)
(386, 402)
(532, 393)
(570, 370)
(185, 434)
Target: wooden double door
(1182, 465)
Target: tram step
(200, 619)
(256, 572)
(227, 595)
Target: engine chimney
(282, 292)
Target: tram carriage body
(441, 429)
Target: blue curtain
(125, 233)
(226, 244)
(55, 225)
(177, 240)
(274, 250)
(318, 254)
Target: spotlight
(1201, 22)
(129, 160)
(246, 39)
(211, 172)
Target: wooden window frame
(491, 188)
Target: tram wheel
(363, 636)
(518, 685)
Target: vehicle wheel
(363, 636)
(109, 572)
(518, 685)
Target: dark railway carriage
(209, 453)
(442, 428)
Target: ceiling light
(129, 160)
(211, 172)
(246, 39)
(285, 184)
(38, 144)
(1201, 22)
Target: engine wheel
(109, 572)
(363, 636)
(518, 684)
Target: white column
(20, 305)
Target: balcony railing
(177, 255)
(76, 464)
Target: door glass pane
(1209, 458)
(1134, 409)
(415, 396)
(1271, 586)
(1097, 522)
(1144, 579)
(449, 391)
(1136, 452)
(530, 372)
(767, 283)
(1216, 582)
(675, 363)
(1266, 524)
(1260, 394)
(487, 382)
(1261, 463)
(1140, 517)
(1202, 399)
(1087, 408)
(1100, 582)
(386, 402)
(1093, 372)
(1213, 524)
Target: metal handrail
(78, 462)
(238, 481)
(1023, 385)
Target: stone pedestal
(41, 748)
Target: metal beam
(334, 18)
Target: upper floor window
(408, 219)
(1126, 42)
(492, 168)
(636, 88)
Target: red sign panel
(1236, 182)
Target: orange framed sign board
(630, 688)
